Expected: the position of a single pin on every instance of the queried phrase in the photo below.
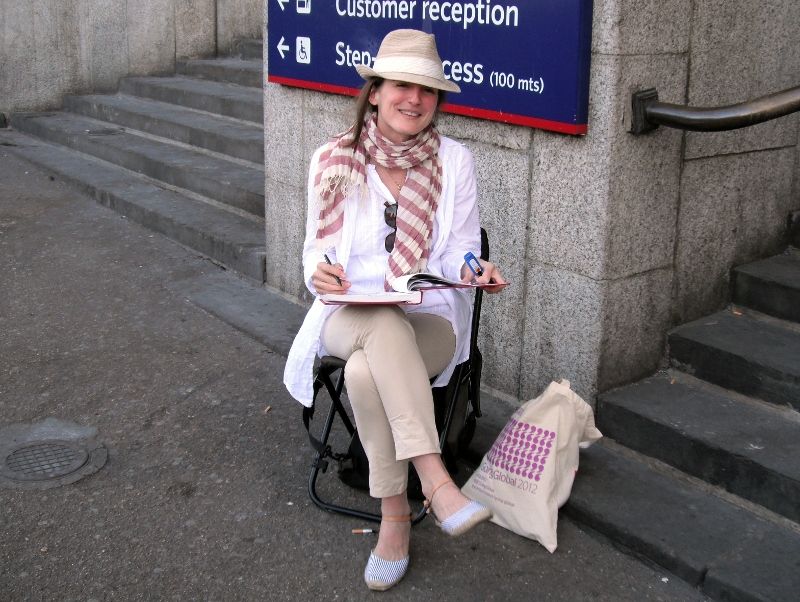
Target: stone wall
(609, 239)
(49, 48)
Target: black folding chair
(451, 400)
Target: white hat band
(402, 64)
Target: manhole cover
(44, 460)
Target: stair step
(232, 70)
(735, 350)
(220, 134)
(748, 448)
(727, 551)
(232, 240)
(771, 286)
(250, 49)
(265, 315)
(222, 180)
(230, 100)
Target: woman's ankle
(394, 540)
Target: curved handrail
(649, 113)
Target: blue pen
(473, 264)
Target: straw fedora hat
(408, 55)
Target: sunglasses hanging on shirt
(390, 217)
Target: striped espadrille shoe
(382, 574)
(462, 520)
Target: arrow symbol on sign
(282, 48)
(282, 3)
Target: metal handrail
(649, 113)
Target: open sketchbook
(407, 290)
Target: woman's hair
(363, 105)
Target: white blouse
(361, 252)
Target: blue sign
(524, 62)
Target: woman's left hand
(491, 275)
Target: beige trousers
(391, 357)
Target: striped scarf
(343, 170)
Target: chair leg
(320, 463)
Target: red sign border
(579, 129)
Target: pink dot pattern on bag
(522, 449)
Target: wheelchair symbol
(303, 50)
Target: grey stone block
(266, 315)
(235, 138)
(466, 129)
(250, 49)
(743, 50)
(214, 97)
(318, 127)
(604, 205)
(320, 102)
(641, 27)
(284, 160)
(284, 216)
(733, 210)
(636, 316)
(726, 551)
(225, 181)
(238, 19)
(236, 242)
(736, 351)
(741, 445)
(151, 36)
(103, 43)
(765, 568)
(31, 78)
(503, 177)
(230, 70)
(778, 133)
(195, 28)
(771, 286)
(563, 331)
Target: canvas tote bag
(528, 473)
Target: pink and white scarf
(342, 170)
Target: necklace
(392, 179)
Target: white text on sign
(480, 12)
(461, 72)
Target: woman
(391, 197)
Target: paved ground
(203, 495)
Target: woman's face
(404, 109)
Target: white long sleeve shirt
(361, 252)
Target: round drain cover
(43, 460)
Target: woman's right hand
(324, 278)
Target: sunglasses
(390, 217)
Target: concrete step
(726, 550)
(250, 49)
(239, 139)
(793, 231)
(232, 240)
(771, 286)
(741, 351)
(267, 315)
(245, 72)
(229, 182)
(747, 447)
(230, 100)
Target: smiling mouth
(409, 113)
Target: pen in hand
(328, 260)
(473, 264)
